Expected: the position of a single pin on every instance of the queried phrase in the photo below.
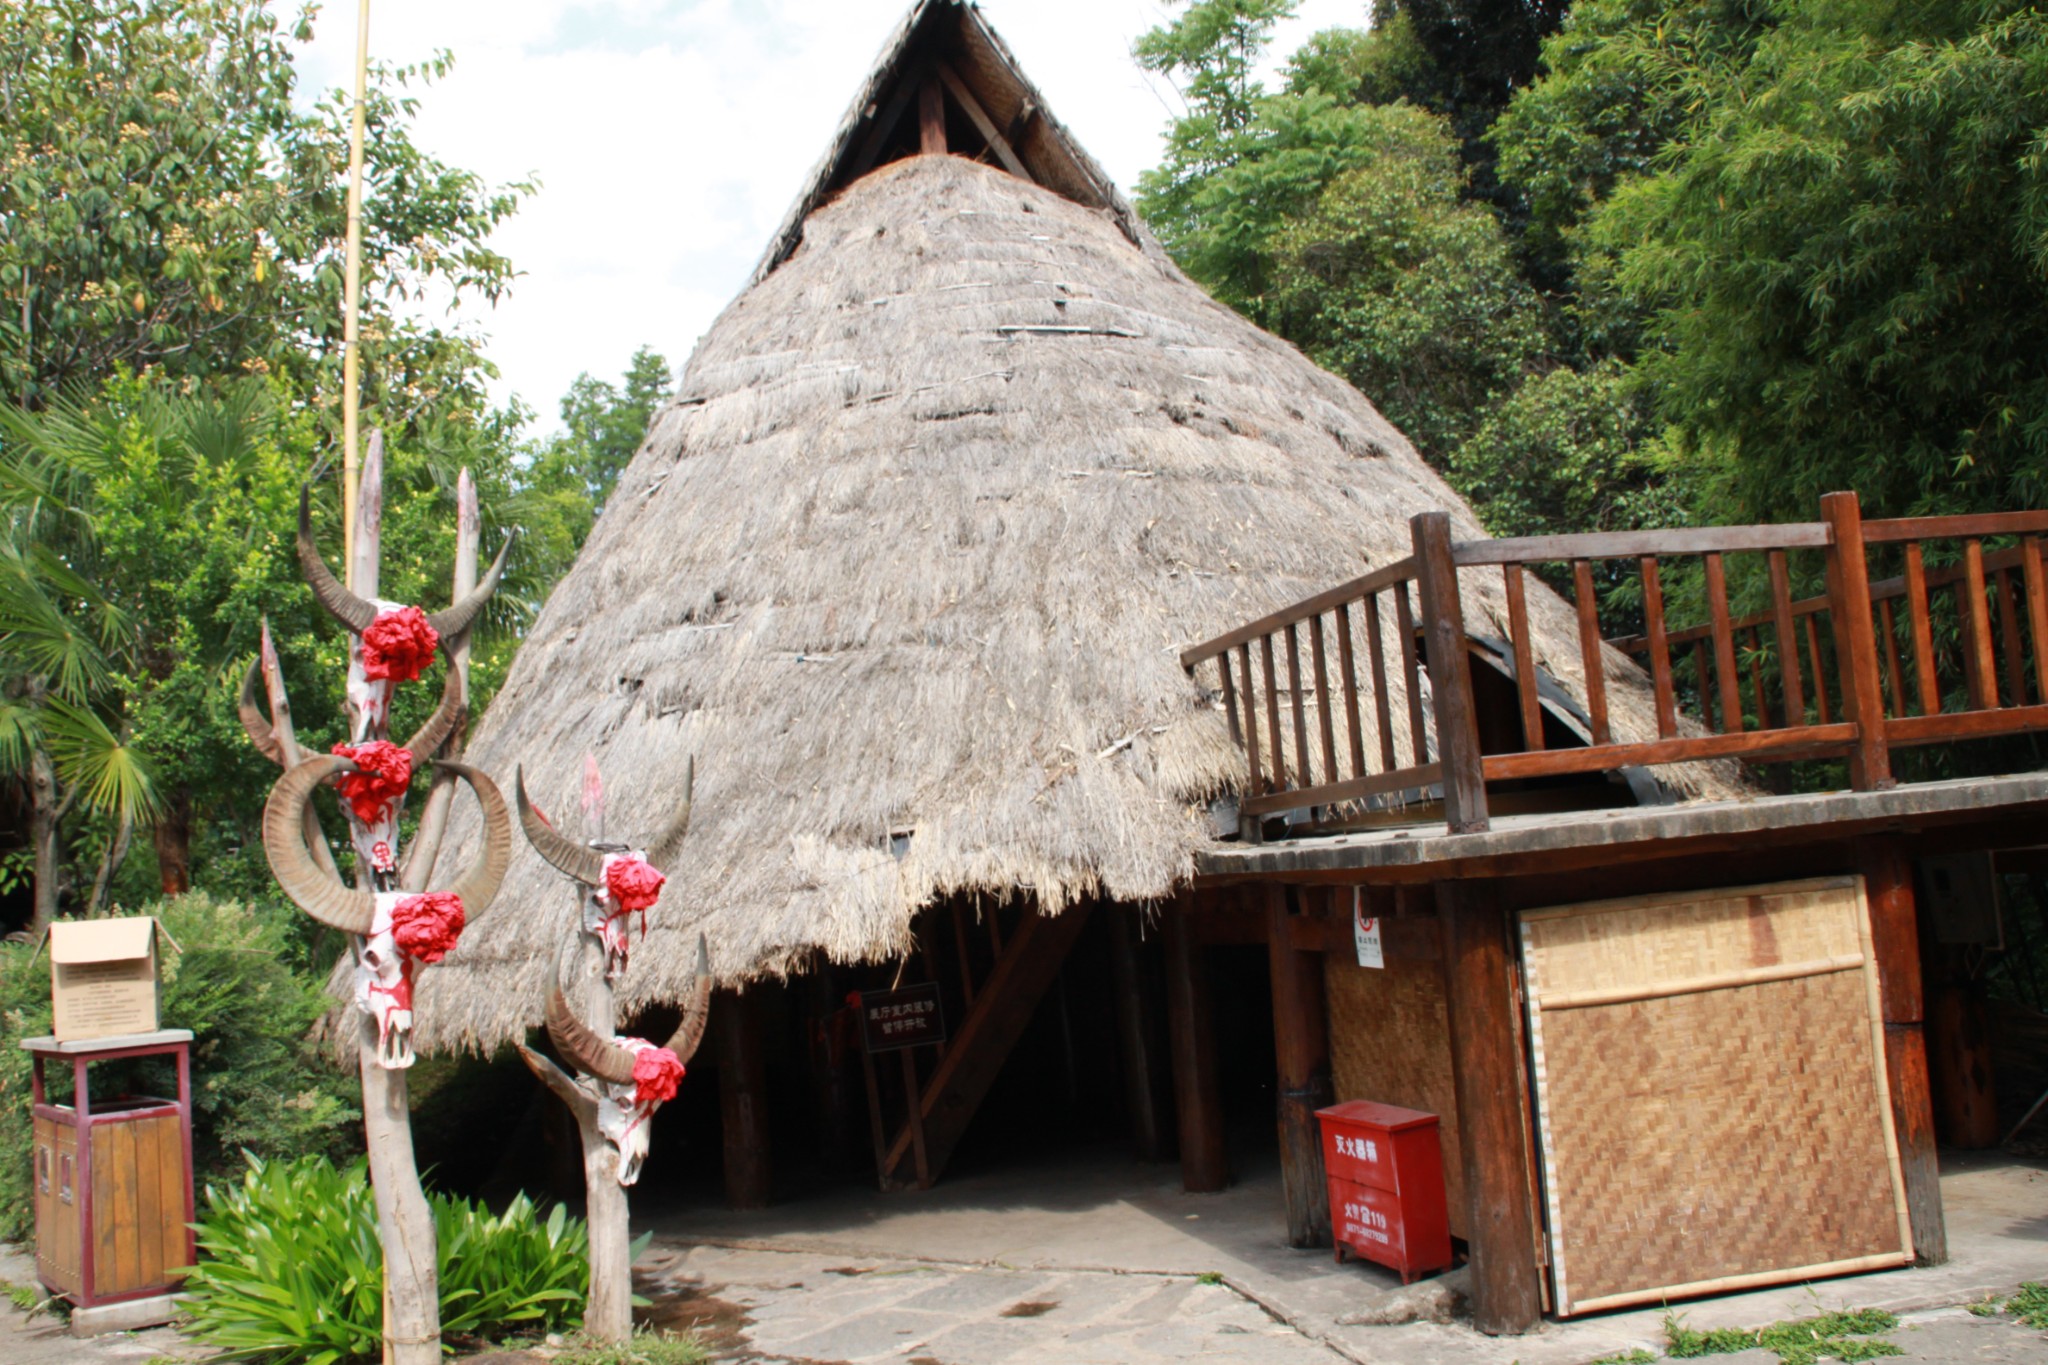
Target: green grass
(1636, 1357)
(22, 1296)
(1847, 1336)
(2029, 1305)
(650, 1348)
(1209, 1277)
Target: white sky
(670, 136)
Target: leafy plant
(2029, 1305)
(652, 1348)
(291, 1269)
(1638, 1356)
(1844, 1336)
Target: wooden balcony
(1893, 654)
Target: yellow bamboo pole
(352, 287)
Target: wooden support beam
(1001, 1010)
(1450, 673)
(931, 119)
(743, 1100)
(1204, 1167)
(983, 124)
(1301, 1045)
(1138, 1042)
(1895, 942)
(1500, 1221)
(886, 119)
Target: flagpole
(352, 288)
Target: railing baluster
(2009, 639)
(1870, 764)
(1277, 745)
(1977, 629)
(1411, 668)
(1326, 721)
(1820, 677)
(1251, 720)
(1660, 650)
(1922, 627)
(1304, 770)
(1724, 648)
(1525, 658)
(1382, 696)
(1705, 679)
(1450, 674)
(1347, 667)
(2036, 579)
(1894, 675)
(1230, 699)
(1589, 651)
(1756, 678)
(1788, 639)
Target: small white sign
(1365, 932)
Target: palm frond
(110, 774)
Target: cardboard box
(103, 977)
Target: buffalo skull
(400, 929)
(632, 1077)
(596, 867)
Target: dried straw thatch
(913, 553)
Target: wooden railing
(1848, 674)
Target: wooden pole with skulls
(395, 923)
(617, 1083)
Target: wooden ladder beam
(997, 1019)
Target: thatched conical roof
(906, 565)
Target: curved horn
(284, 840)
(478, 885)
(562, 853)
(352, 611)
(671, 841)
(690, 1032)
(428, 739)
(261, 733)
(452, 622)
(583, 1049)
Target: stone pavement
(1084, 1262)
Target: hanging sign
(1365, 932)
(910, 1017)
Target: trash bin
(113, 1182)
(1385, 1166)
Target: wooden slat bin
(112, 1176)
(1385, 1166)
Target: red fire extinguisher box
(1386, 1171)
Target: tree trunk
(45, 812)
(172, 834)
(608, 1316)
(412, 1300)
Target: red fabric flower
(383, 772)
(656, 1074)
(633, 884)
(426, 927)
(399, 645)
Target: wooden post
(1301, 1044)
(1204, 1167)
(1500, 1225)
(913, 1103)
(1870, 764)
(742, 1101)
(931, 119)
(1450, 674)
(1137, 1039)
(1894, 935)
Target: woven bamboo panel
(1711, 1092)
(1390, 1041)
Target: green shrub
(290, 1267)
(257, 1084)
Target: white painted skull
(384, 986)
(606, 921)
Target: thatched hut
(907, 565)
